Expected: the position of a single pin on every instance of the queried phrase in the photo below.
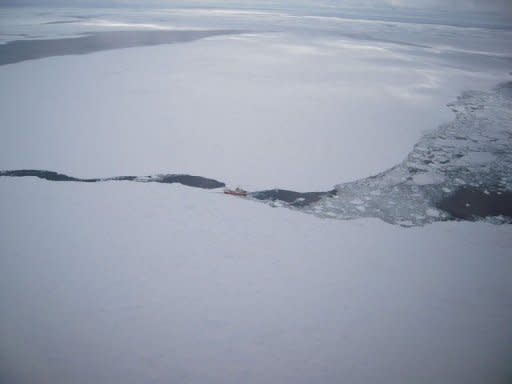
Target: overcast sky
(502, 6)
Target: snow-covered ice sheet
(262, 110)
(127, 282)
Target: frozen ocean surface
(147, 282)
(245, 108)
(404, 118)
(462, 170)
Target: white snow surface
(121, 282)
(127, 282)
